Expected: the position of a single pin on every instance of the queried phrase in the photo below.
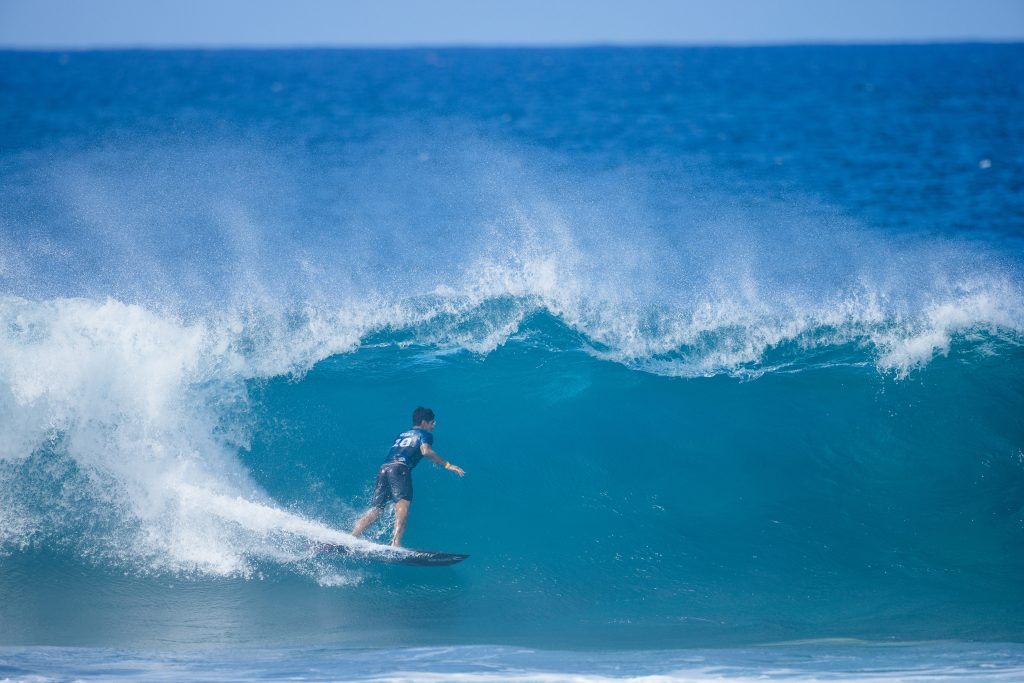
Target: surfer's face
(428, 425)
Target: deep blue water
(730, 343)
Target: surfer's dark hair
(422, 414)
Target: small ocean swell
(839, 661)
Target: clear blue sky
(230, 23)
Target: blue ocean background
(730, 343)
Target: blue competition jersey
(406, 448)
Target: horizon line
(240, 47)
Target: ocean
(729, 341)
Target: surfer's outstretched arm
(431, 455)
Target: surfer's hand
(455, 468)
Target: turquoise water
(821, 661)
(729, 342)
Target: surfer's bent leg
(401, 516)
(366, 520)
(381, 495)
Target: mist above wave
(445, 237)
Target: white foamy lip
(734, 338)
(730, 325)
(904, 351)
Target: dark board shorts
(394, 483)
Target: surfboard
(388, 555)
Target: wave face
(731, 343)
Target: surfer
(394, 481)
